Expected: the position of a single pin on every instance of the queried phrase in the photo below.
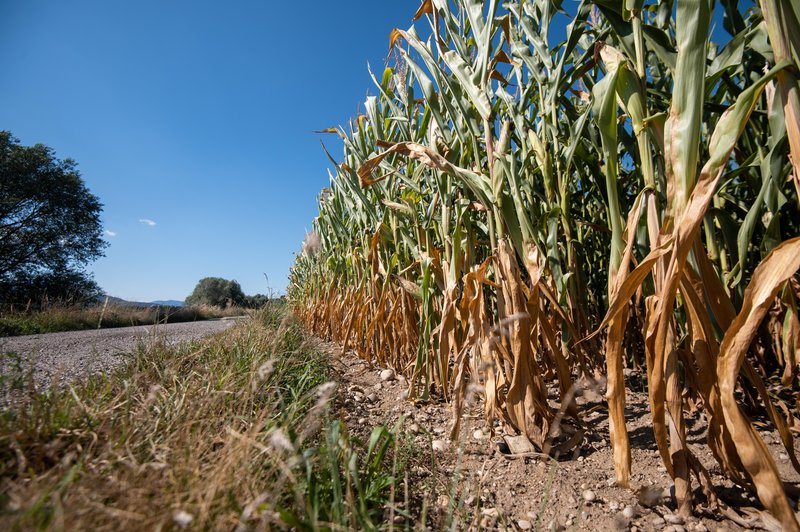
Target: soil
(473, 484)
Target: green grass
(59, 318)
(236, 430)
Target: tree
(217, 292)
(73, 287)
(49, 220)
(256, 301)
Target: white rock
(478, 434)
(387, 375)
(674, 519)
(439, 445)
(182, 518)
(629, 512)
(524, 524)
(589, 496)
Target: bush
(217, 292)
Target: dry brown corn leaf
(767, 280)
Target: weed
(231, 432)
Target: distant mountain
(125, 303)
(168, 303)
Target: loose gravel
(61, 358)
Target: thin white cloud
(110, 233)
(147, 221)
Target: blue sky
(195, 115)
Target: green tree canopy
(49, 222)
(217, 292)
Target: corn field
(533, 197)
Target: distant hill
(168, 302)
(125, 303)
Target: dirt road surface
(60, 358)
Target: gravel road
(58, 358)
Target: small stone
(469, 500)
(674, 519)
(439, 445)
(372, 398)
(580, 459)
(524, 524)
(478, 434)
(414, 428)
(613, 506)
(658, 522)
(398, 519)
(377, 386)
(783, 456)
(589, 496)
(362, 420)
(629, 512)
(387, 375)
(611, 482)
(439, 430)
(182, 518)
(568, 523)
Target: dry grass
(57, 318)
(232, 432)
